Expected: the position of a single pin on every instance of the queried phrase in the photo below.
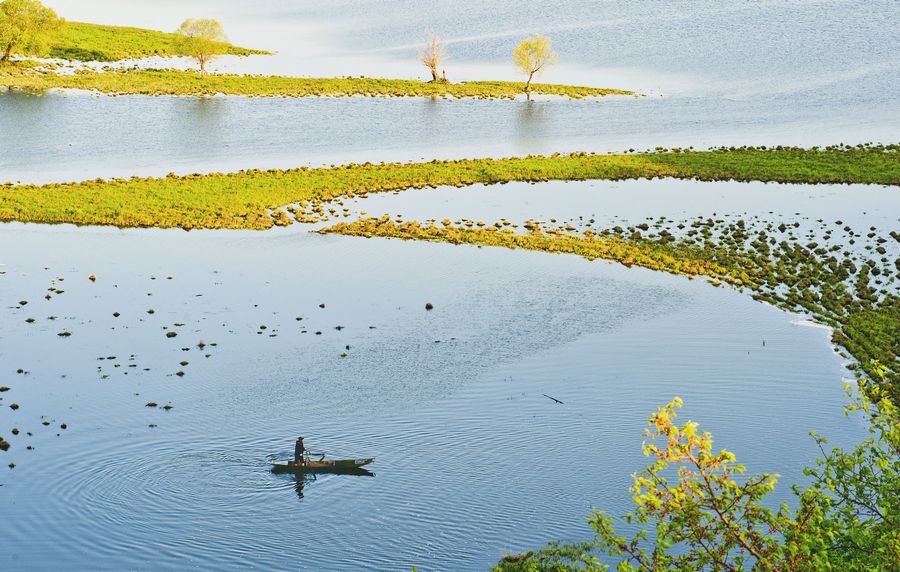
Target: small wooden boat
(322, 466)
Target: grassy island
(246, 199)
(81, 41)
(187, 83)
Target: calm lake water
(473, 460)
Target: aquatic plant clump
(187, 83)
(806, 278)
(250, 199)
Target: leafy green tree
(203, 39)
(26, 26)
(863, 486)
(532, 56)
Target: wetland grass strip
(245, 199)
(858, 297)
(82, 41)
(189, 83)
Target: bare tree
(432, 55)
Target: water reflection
(300, 482)
(531, 124)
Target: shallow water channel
(473, 461)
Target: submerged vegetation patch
(177, 82)
(251, 199)
(856, 298)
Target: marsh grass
(244, 200)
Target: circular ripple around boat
(139, 494)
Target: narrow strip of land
(189, 83)
(244, 199)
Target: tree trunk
(202, 67)
(528, 86)
(7, 53)
(434, 75)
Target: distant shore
(81, 41)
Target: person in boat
(299, 451)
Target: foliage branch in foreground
(696, 509)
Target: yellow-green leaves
(26, 26)
(204, 39)
(532, 56)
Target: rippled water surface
(473, 459)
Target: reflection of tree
(201, 123)
(531, 124)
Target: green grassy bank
(189, 83)
(95, 42)
(242, 200)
